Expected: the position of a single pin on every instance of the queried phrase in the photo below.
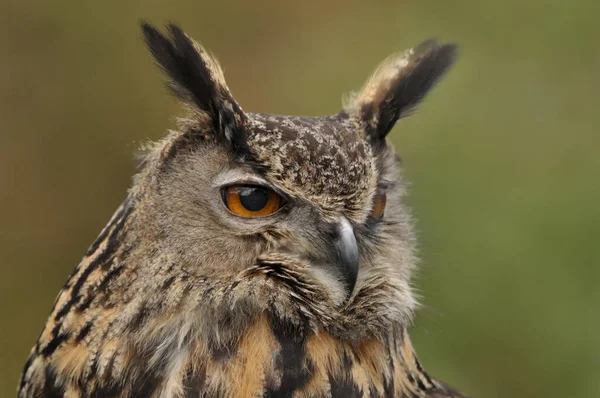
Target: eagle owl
(254, 255)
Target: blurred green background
(503, 157)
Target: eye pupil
(254, 199)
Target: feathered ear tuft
(195, 76)
(197, 79)
(398, 85)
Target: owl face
(288, 210)
(314, 191)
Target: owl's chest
(267, 363)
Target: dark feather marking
(110, 275)
(408, 91)
(192, 80)
(102, 258)
(373, 392)
(344, 387)
(105, 391)
(85, 330)
(421, 370)
(112, 245)
(420, 384)
(93, 373)
(291, 362)
(388, 383)
(224, 351)
(147, 386)
(108, 372)
(238, 140)
(179, 59)
(421, 80)
(140, 318)
(27, 365)
(194, 384)
(52, 387)
(106, 230)
(92, 249)
(75, 298)
(168, 282)
(56, 341)
(388, 387)
(410, 378)
(147, 382)
(446, 391)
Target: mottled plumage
(180, 297)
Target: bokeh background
(503, 157)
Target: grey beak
(347, 255)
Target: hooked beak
(347, 255)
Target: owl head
(299, 217)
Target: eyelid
(385, 185)
(229, 179)
(255, 182)
(259, 183)
(239, 177)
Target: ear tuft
(398, 85)
(197, 79)
(195, 75)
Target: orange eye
(251, 201)
(379, 206)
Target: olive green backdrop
(504, 158)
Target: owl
(255, 255)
